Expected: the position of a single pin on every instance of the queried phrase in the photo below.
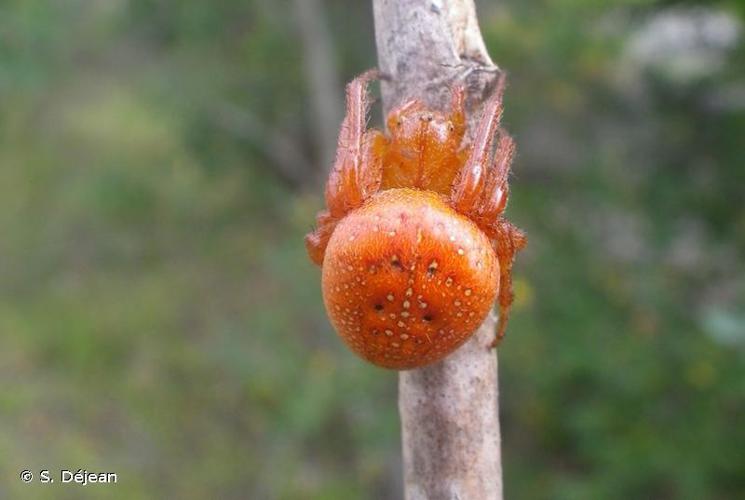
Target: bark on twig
(449, 410)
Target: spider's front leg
(481, 193)
(468, 190)
(508, 239)
(357, 169)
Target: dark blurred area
(160, 162)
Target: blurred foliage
(159, 317)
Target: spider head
(425, 144)
(413, 122)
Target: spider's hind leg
(509, 241)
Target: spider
(413, 244)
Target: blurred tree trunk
(322, 77)
(449, 410)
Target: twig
(449, 411)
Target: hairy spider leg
(481, 193)
(458, 110)
(350, 183)
(316, 241)
(496, 189)
(467, 190)
(509, 241)
(357, 169)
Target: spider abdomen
(407, 279)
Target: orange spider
(413, 246)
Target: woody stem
(449, 411)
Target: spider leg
(357, 169)
(496, 189)
(316, 241)
(458, 110)
(481, 193)
(467, 191)
(349, 182)
(509, 241)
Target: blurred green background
(161, 160)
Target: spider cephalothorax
(413, 244)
